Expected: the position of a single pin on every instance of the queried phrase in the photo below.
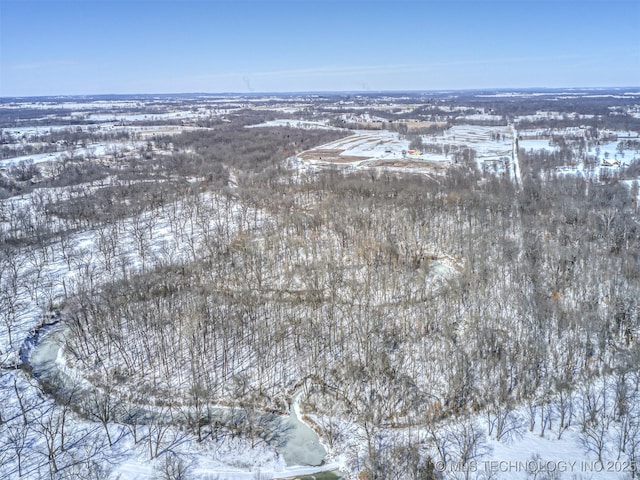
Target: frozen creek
(42, 352)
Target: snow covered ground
(45, 275)
(43, 278)
(91, 151)
(535, 145)
(391, 151)
(531, 445)
(304, 124)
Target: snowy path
(515, 159)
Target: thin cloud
(397, 68)
(43, 65)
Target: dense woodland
(398, 302)
(331, 279)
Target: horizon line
(324, 92)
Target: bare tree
(17, 437)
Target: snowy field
(92, 151)
(304, 124)
(390, 151)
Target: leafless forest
(418, 314)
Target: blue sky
(52, 47)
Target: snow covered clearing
(305, 124)
(390, 151)
(536, 145)
(90, 152)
